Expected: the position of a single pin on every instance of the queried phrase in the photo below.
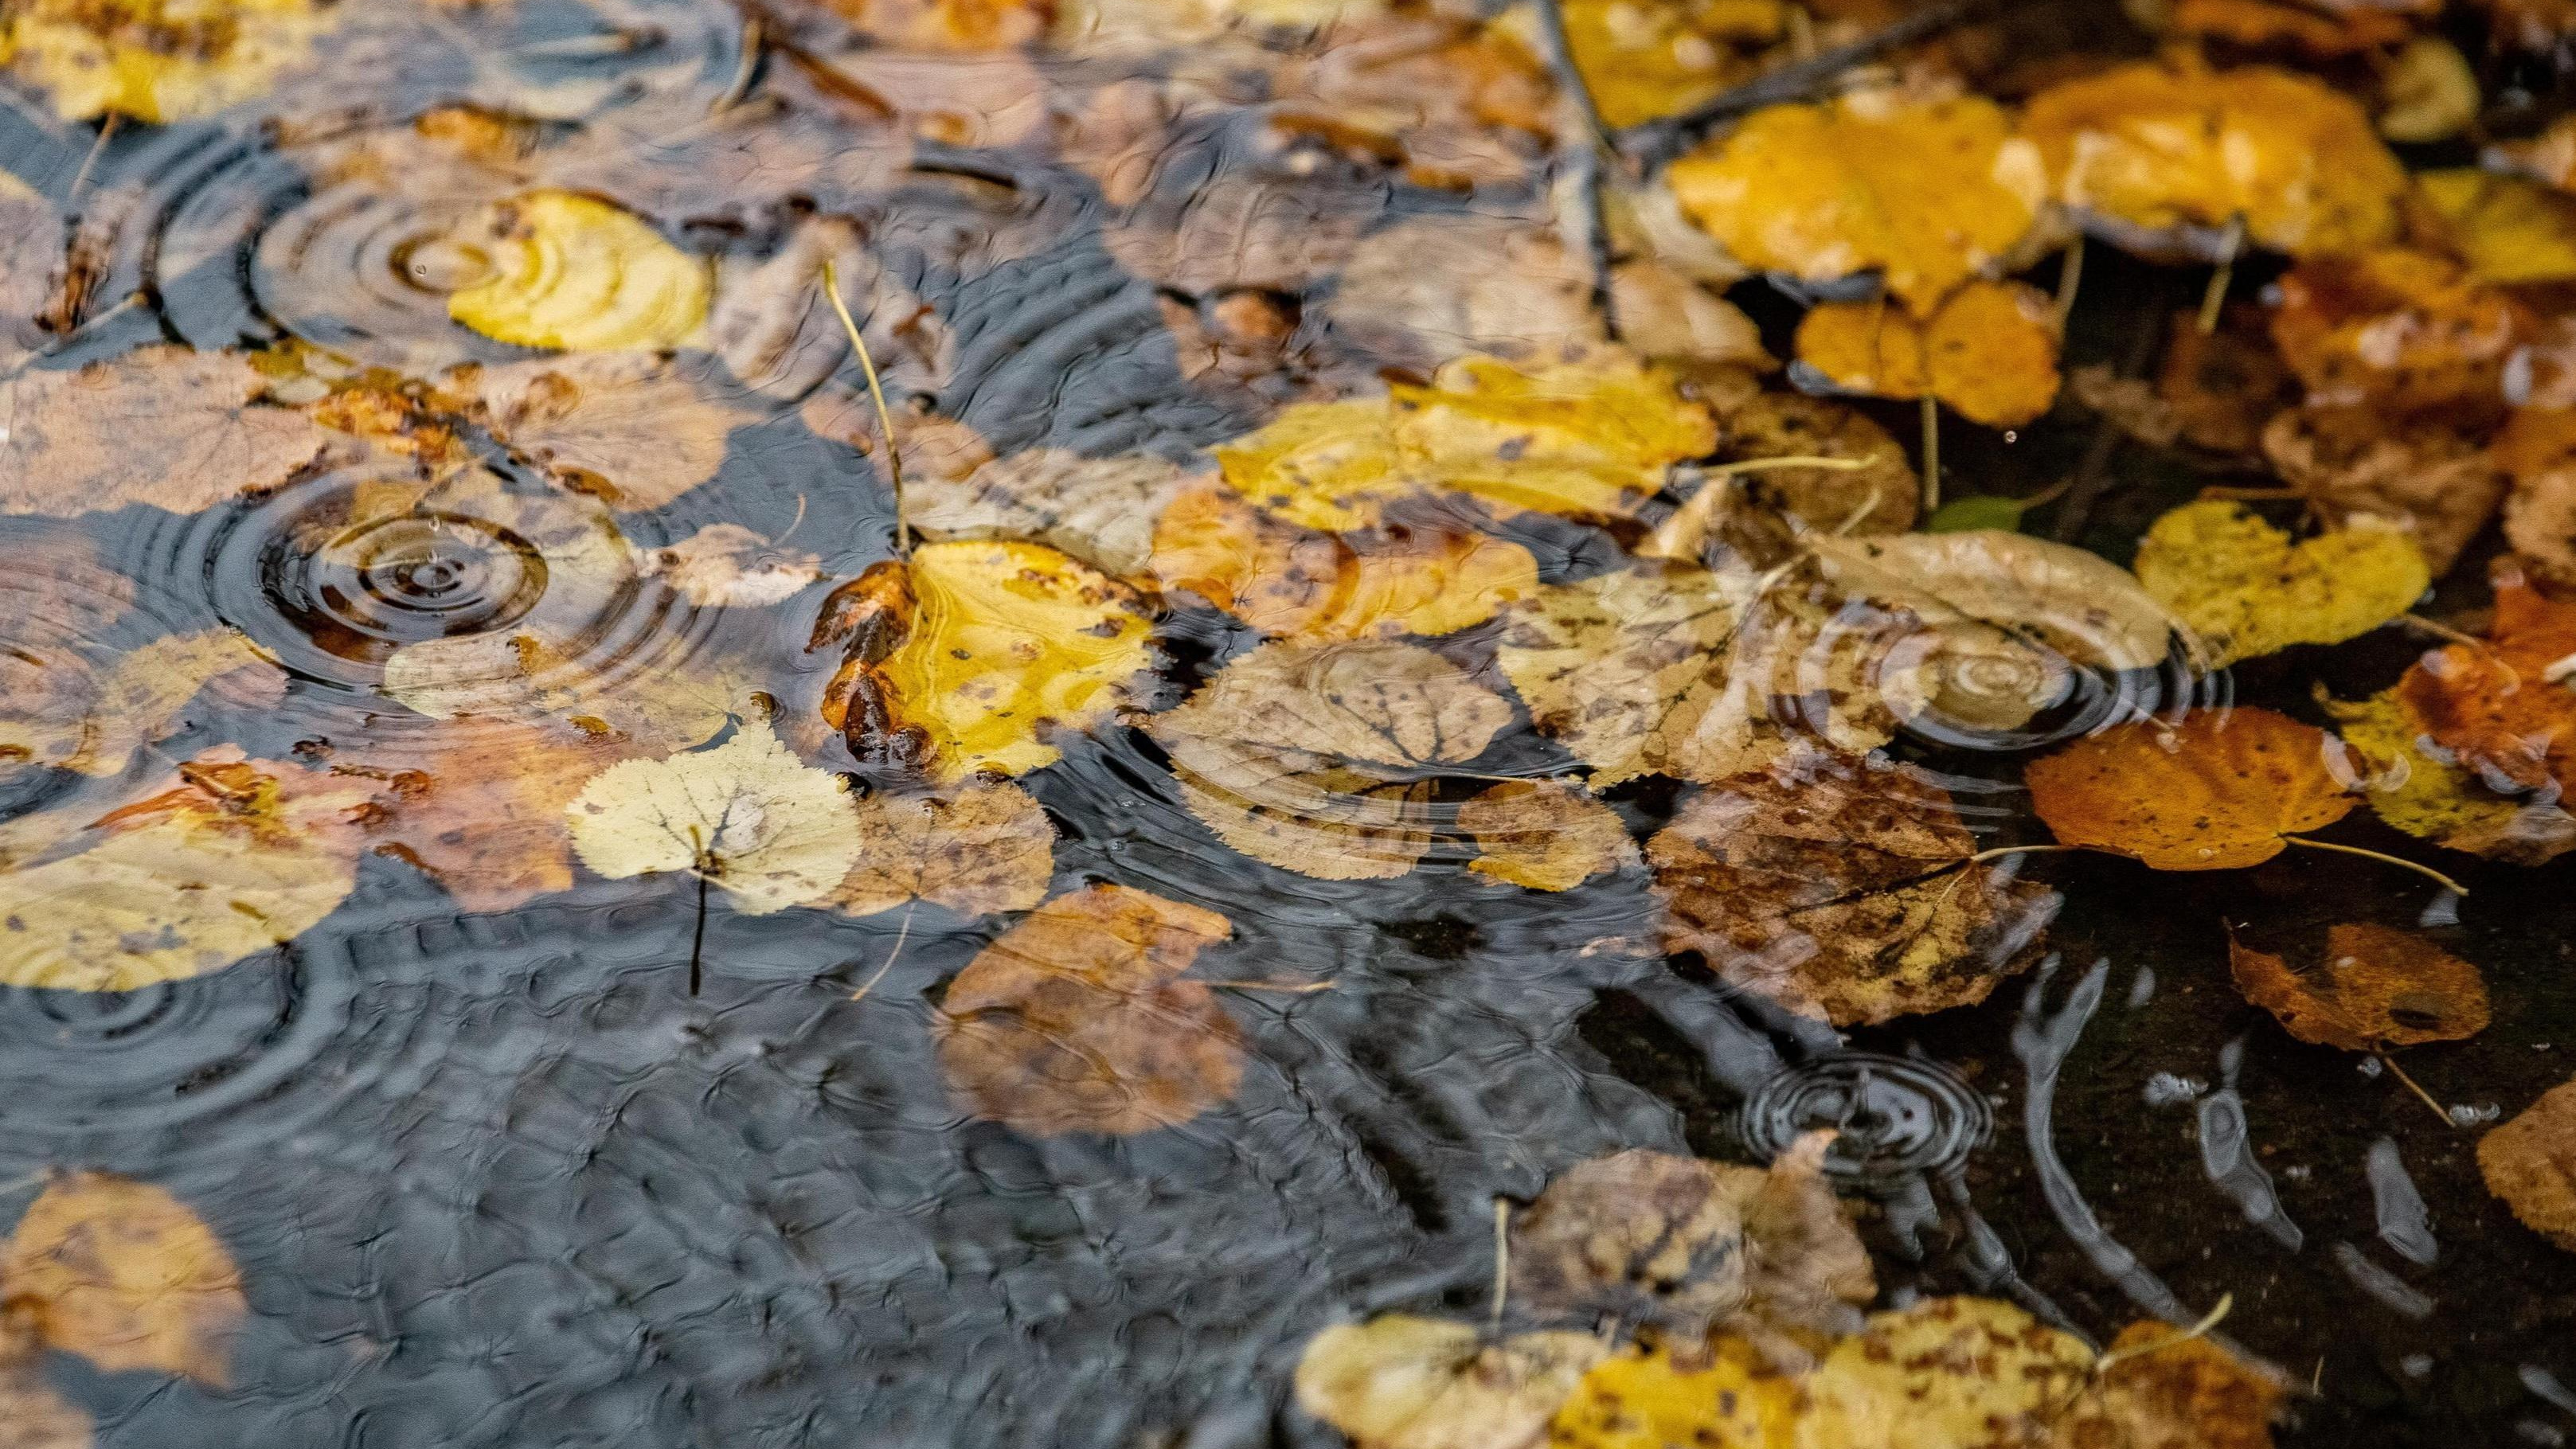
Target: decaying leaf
(628, 427)
(2249, 589)
(1586, 438)
(2530, 1162)
(2437, 799)
(578, 274)
(2216, 791)
(1926, 192)
(123, 1274)
(1946, 1373)
(746, 815)
(1100, 510)
(1319, 758)
(1726, 1394)
(160, 426)
(2363, 467)
(57, 714)
(964, 657)
(773, 323)
(1076, 1019)
(2219, 387)
(974, 849)
(1849, 895)
(1544, 834)
(1402, 1382)
(725, 565)
(158, 60)
(2376, 987)
(2502, 710)
(2396, 328)
(2168, 155)
(2165, 1389)
(230, 858)
(1881, 496)
(1989, 350)
(2510, 229)
(479, 806)
(1295, 582)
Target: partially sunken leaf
(1295, 582)
(157, 60)
(1946, 1373)
(629, 427)
(1989, 350)
(2377, 987)
(1402, 1382)
(2512, 230)
(124, 1275)
(2400, 328)
(2248, 589)
(1843, 896)
(1544, 834)
(1926, 192)
(2365, 466)
(578, 274)
(1075, 1020)
(479, 807)
(1315, 757)
(974, 849)
(2151, 150)
(225, 861)
(2436, 799)
(160, 426)
(62, 717)
(1100, 510)
(725, 565)
(2498, 709)
(2217, 791)
(747, 816)
(2530, 1162)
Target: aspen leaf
(2217, 791)
(2511, 230)
(2377, 987)
(1402, 1382)
(2248, 589)
(1989, 350)
(123, 1274)
(2437, 799)
(2163, 1389)
(2530, 1163)
(159, 426)
(158, 60)
(479, 806)
(974, 849)
(1880, 496)
(578, 274)
(746, 815)
(1544, 834)
(628, 427)
(2432, 94)
(1075, 1019)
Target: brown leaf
(974, 849)
(2221, 386)
(630, 427)
(1075, 1020)
(160, 426)
(2168, 1390)
(2530, 1162)
(2377, 987)
(1100, 510)
(2497, 708)
(2217, 791)
(2398, 329)
(727, 565)
(1848, 896)
(124, 1275)
(1544, 834)
(2360, 465)
(774, 326)
(34, 1416)
(479, 806)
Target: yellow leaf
(124, 1275)
(2511, 229)
(1947, 1373)
(1402, 1382)
(1650, 60)
(1926, 192)
(578, 274)
(747, 816)
(1989, 350)
(975, 849)
(2434, 798)
(1544, 834)
(2249, 590)
(158, 60)
(1728, 1397)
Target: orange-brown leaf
(1301, 583)
(2216, 791)
(2498, 707)
(2377, 987)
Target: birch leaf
(747, 815)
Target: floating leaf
(1926, 192)
(1843, 896)
(2364, 466)
(1879, 496)
(1544, 834)
(1946, 1373)
(1989, 350)
(2248, 589)
(158, 60)
(1100, 510)
(1645, 62)
(629, 427)
(2530, 1162)
(37, 1416)
(974, 849)
(578, 274)
(2395, 328)
(2500, 709)
(2377, 987)
(725, 565)
(1075, 1020)
(747, 816)
(480, 806)
(2217, 791)
(1725, 1395)
(1402, 1382)
(124, 1275)
(63, 717)
(2333, 28)
(2432, 94)
(2438, 800)
(160, 426)
(2512, 230)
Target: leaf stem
(876, 391)
(1931, 449)
(2070, 276)
(902, 934)
(2417, 1088)
(2426, 871)
(1502, 1256)
(2215, 298)
(698, 937)
(2208, 1321)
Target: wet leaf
(1880, 497)
(2502, 710)
(124, 1275)
(1295, 582)
(1402, 1382)
(1989, 350)
(1946, 1373)
(1643, 62)
(2046, 595)
(1726, 1394)
(2248, 589)
(1316, 758)
(2530, 1163)
(1544, 834)
(2330, 28)
(2377, 987)
(2436, 799)
(480, 806)
(974, 849)
(1848, 895)
(1075, 1019)
(230, 858)
(2395, 328)
(2362, 467)
(627, 427)
(160, 426)
(1000, 645)
(35, 1416)
(2154, 152)
(1927, 192)
(774, 326)
(67, 718)
(965, 26)
(2512, 230)
(2166, 1390)
(2432, 94)
(158, 60)
(2220, 387)
(1100, 510)
(746, 815)
(2217, 791)
(725, 565)
(578, 274)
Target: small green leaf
(1985, 510)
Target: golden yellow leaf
(1075, 1020)
(231, 858)
(2511, 229)
(2218, 790)
(1644, 61)
(1880, 496)
(1926, 192)
(1989, 350)
(975, 849)
(1727, 1396)
(1402, 1382)
(747, 816)
(124, 1275)
(2434, 798)
(62, 717)
(2156, 148)
(1295, 582)
(2248, 589)
(158, 60)
(2432, 94)
(1946, 1373)
(578, 274)
(628, 427)
(2530, 1163)
(160, 426)
(1629, 670)
(1544, 834)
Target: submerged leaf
(123, 1274)
(1100, 510)
(2501, 709)
(480, 808)
(2530, 1163)
(59, 716)
(2248, 589)
(2364, 466)
(747, 816)
(1544, 834)
(1402, 1382)
(1946, 1373)
(629, 427)
(2398, 328)
(160, 426)
(1075, 1020)
(578, 274)
(974, 849)
(2378, 987)
(2512, 231)
(1989, 350)
(158, 60)
(2217, 791)
(727, 565)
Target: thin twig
(1931, 453)
(106, 132)
(2216, 297)
(2441, 630)
(2070, 276)
(2426, 871)
(1502, 1257)
(2417, 1088)
(876, 390)
(1587, 159)
(902, 934)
